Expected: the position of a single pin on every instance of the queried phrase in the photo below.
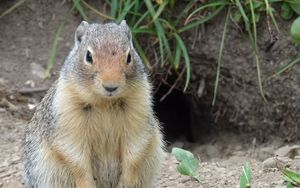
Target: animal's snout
(110, 88)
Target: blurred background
(225, 73)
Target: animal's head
(103, 61)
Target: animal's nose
(110, 88)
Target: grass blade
(204, 7)
(269, 11)
(220, 55)
(253, 23)
(143, 30)
(54, 49)
(242, 11)
(201, 21)
(141, 19)
(141, 52)
(186, 59)
(184, 11)
(16, 5)
(286, 67)
(161, 50)
(259, 76)
(80, 9)
(254, 45)
(96, 11)
(125, 11)
(245, 180)
(292, 176)
(136, 8)
(160, 30)
(177, 56)
(252, 38)
(159, 10)
(114, 8)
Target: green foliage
(188, 164)
(286, 11)
(292, 177)
(246, 177)
(295, 30)
(295, 5)
(147, 18)
(156, 22)
(289, 185)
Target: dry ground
(222, 159)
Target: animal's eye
(89, 57)
(128, 58)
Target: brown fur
(94, 140)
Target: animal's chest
(95, 134)
(106, 136)
(106, 170)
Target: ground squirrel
(95, 128)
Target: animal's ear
(80, 31)
(125, 28)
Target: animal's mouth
(109, 95)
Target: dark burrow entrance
(181, 115)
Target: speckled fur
(78, 136)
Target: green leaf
(245, 180)
(286, 11)
(292, 175)
(189, 165)
(181, 154)
(295, 6)
(289, 185)
(295, 30)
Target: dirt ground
(26, 37)
(222, 157)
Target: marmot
(96, 128)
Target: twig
(25, 91)
(173, 86)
